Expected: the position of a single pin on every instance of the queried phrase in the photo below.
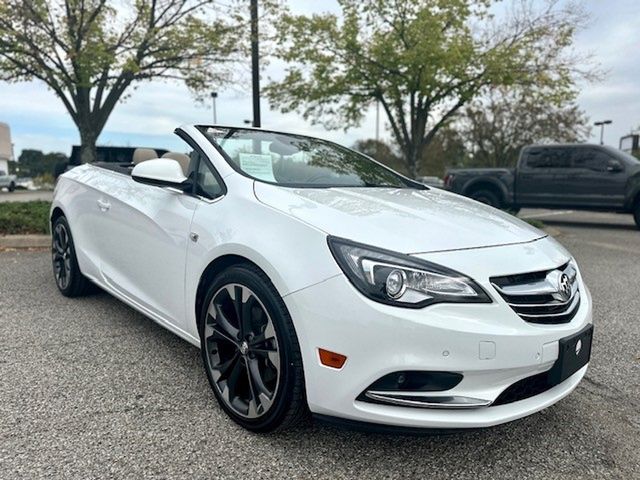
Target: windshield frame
(408, 183)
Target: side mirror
(614, 166)
(161, 172)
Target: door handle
(104, 206)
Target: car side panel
(76, 195)
(145, 231)
(239, 224)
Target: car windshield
(299, 161)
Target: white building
(6, 147)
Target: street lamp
(255, 61)
(214, 95)
(601, 125)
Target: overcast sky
(153, 110)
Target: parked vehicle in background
(6, 155)
(6, 181)
(431, 181)
(578, 176)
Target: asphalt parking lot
(92, 389)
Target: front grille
(537, 297)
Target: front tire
(69, 279)
(12, 187)
(250, 351)
(636, 214)
(487, 197)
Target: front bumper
(489, 344)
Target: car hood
(403, 220)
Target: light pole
(255, 67)
(214, 95)
(601, 125)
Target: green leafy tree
(34, 163)
(497, 126)
(92, 52)
(447, 149)
(422, 60)
(382, 152)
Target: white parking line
(548, 214)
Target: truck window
(533, 159)
(590, 159)
(558, 158)
(549, 158)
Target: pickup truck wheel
(487, 197)
(12, 187)
(250, 351)
(636, 214)
(70, 281)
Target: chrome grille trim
(574, 303)
(535, 296)
(425, 400)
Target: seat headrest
(143, 154)
(181, 158)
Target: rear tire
(487, 197)
(12, 187)
(69, 279)
(250, 351)
(636, 214)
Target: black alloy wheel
(66, 272)
(250, 351)
(243, 350)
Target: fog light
(395, 284)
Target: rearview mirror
(161, 172)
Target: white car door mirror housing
(161, 172)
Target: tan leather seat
(143, 154)
(181, 158)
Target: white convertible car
(315, 279)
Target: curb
(24, 241)
(554, 232)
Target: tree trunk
(413, 155)
(88, 138)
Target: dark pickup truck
(580, 176)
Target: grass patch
(24, 217)
(534, 222)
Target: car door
(145, 232)
(600, 178)
(533, 177)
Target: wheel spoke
(254, 400)
(255, 377)
(224, 324)
(247, 315)
(224, 368)
(234, 373)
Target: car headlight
(402, 280)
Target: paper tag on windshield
(257, 165)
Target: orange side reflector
(331, 359)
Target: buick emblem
(578, 347)
(564, 287)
